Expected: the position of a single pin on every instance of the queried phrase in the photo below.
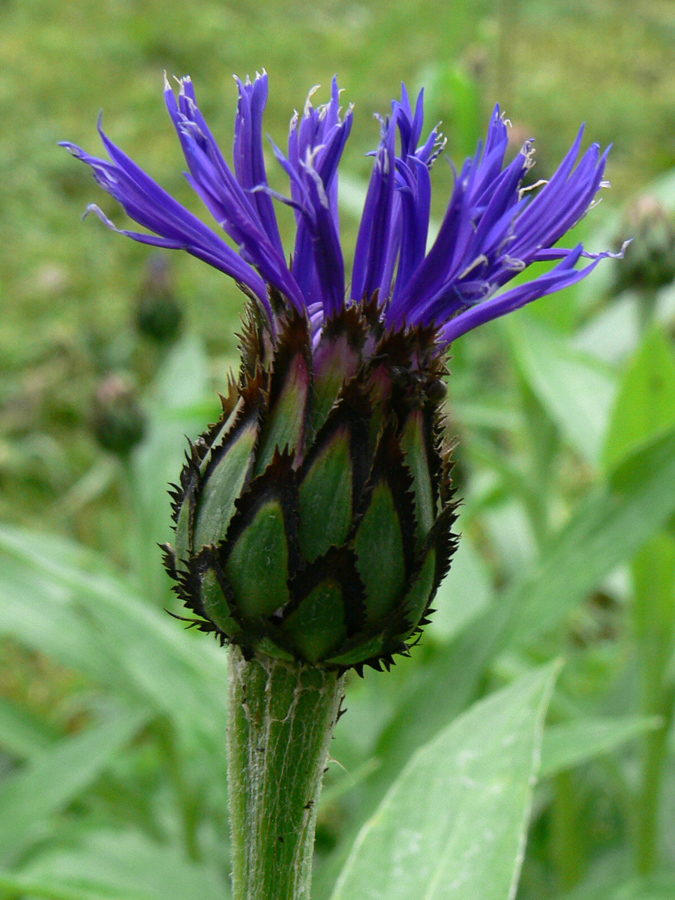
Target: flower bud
(158, 313)
(650, 259)
(313, 520)
(117, 420)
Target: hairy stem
(281, 720)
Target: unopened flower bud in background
(650, 260)
(118, 422)
(158, 313)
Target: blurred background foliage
(112, 778)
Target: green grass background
(568, 541)
(66, 287)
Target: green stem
(566, 834)
(655, 758)
(281, 720)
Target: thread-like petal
(153, 208)
(493, 228)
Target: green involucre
(313, 523)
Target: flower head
(313, 521)
(492, 229)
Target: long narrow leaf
(124, 866)
(177, 674)
(575, 389)
(607, 529)
(453, 825)
(54, 778)
(566, 746)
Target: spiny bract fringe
(314, 519)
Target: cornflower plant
(314, 520)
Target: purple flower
(492, 229)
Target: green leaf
(136, 649)
(569, 745)
(16, 885)
(454, 823)
(184, 379)
(21, 733)
(452, 94)
(575, 390)
(125, 865)
(483, 415)
(645, 406)
(655, 887)
(608, 528)
(40, 613)
(54, 778)
(614, 332)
